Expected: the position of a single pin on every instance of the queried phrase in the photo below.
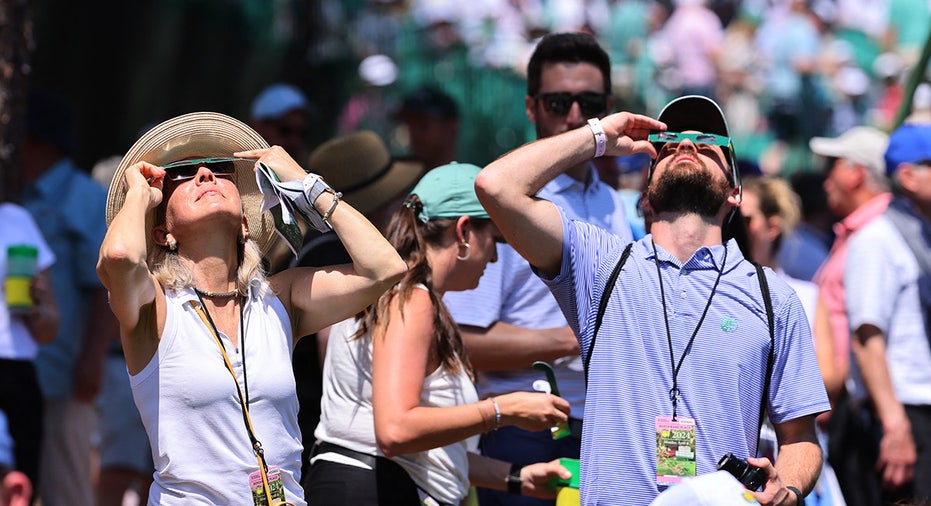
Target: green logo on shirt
(729, 324)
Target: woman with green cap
(400, 415)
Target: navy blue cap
(909, 143)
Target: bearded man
(695, 343)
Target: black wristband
(799, 497)
(514, 483)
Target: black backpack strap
(609, 287)
(767, 300)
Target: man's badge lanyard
(675, 437)
(265, 492)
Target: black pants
(334, 484)
(21, 401)
(920, 418)
(854, 436)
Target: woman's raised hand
(278, 160)
(146, 176)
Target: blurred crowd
(440, 81)
(784, 71)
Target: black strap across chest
(767, 301)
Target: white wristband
(601, 140)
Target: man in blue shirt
(678, 375)
(69, 208)
(511, 320)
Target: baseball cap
(701, 114)
(276, 100)
(694, 112)
(714, 489)
(378, 70)
(448, 192)
(909, 143)
(428, 101)
(862, 144)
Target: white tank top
(346, 413)
(192, 413)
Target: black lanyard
(674, 391)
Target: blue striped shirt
(721, 378)
(509, 292)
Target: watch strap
(514, 482)
(799, 496)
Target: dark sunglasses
(187, 169)
(590, 103)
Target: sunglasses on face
(697, 138)
(590, 103)
(187, 169)
(700, 140)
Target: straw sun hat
(359, 165)
(197, 135)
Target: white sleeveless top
(347, 419)
(192, 413)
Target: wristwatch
(799, 497)
(514, 483)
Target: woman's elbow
(117, 263)
(394, 272)
(117, 256)
(392, 441)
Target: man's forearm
(799, 464)
(504, 347)
(869, 348)
(799, 461)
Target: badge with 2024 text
(675, 449)
(274, 486)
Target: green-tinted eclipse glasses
(700, 138)
(697, 138)
(187, 169)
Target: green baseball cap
(448, 192)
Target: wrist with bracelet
(799, 496)
(601, 140)
(481, 412)
(314, 187)
(514, 481)
(494, 404)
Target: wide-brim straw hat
(359, 165)
(199, 135)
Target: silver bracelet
(329, 212)
(601, 140)
(497, 413)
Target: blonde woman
(206, 335)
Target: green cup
(20, 269)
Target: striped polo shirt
(721, 377)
